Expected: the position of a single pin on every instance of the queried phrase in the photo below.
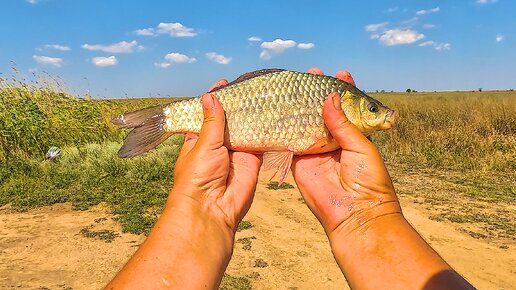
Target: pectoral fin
(279, 161)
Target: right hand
(348, 188)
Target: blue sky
(141, 48)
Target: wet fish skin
(277, 112)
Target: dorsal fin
(251, 75)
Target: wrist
(364, 222)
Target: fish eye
(372, 107)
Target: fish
(274, 112)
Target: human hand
(342, 74)
(220, 181)
(347, 188)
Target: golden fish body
(278, 112)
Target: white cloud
(120, 47)
(278, 45)
(436, 45)
(482, 2)
(173, 29)
(47, 60)
(305, 45)
(179, 58)
(254, 38)
(104, 61)
(399, 36)
(146, 31)
(162, 64)
(429, 26)
(176, 30)
(499, 38)
(423, 12)
(33, 1)
(218, 58)
(265, 55)
(376, 27)
(57, 47)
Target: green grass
(234, 283)
(471, 136)
(244, 225)
(87, 175)
(274, 185)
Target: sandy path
(44, 248)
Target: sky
(114, 49)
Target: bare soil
(55, 247)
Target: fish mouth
(390, 119)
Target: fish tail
(148, 130)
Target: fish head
(368, 114)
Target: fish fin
(250, 75)
(138, 118)
(279, 160)
(146, 135)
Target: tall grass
(474, 131)
(32, 120)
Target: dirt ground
(56, 247)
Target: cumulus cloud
(254, 38)
(482, 2)
(392, 9)
(146, 31)
(305, 45)
(436, 45)
(173, 29)
(276, 46)
(57, 47)
(179, 58)
(399, 36)
(47, 60)
(120, 47)
(423, 12)
(218, 58)
(376, 27)
(103, 61)
(174, 57)
(499, 38)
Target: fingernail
(336, 101)
(208, 102)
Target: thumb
(212, 130)
(345, 133)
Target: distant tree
(479, 89)
(377, 91)
(383, 91)
(408, 90)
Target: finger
(345, 76)
(347, 135)
(315, 71)
(242, 180)
(187, 146)
(212, 130)
(219, 84)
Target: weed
(274, 185)
(234, 283)
(260, 263)
(244, 225)
(105, 235)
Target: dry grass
(473, 131)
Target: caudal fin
(148, 130)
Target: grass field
(467, 137)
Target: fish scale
(276, 112)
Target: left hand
(220, 181)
